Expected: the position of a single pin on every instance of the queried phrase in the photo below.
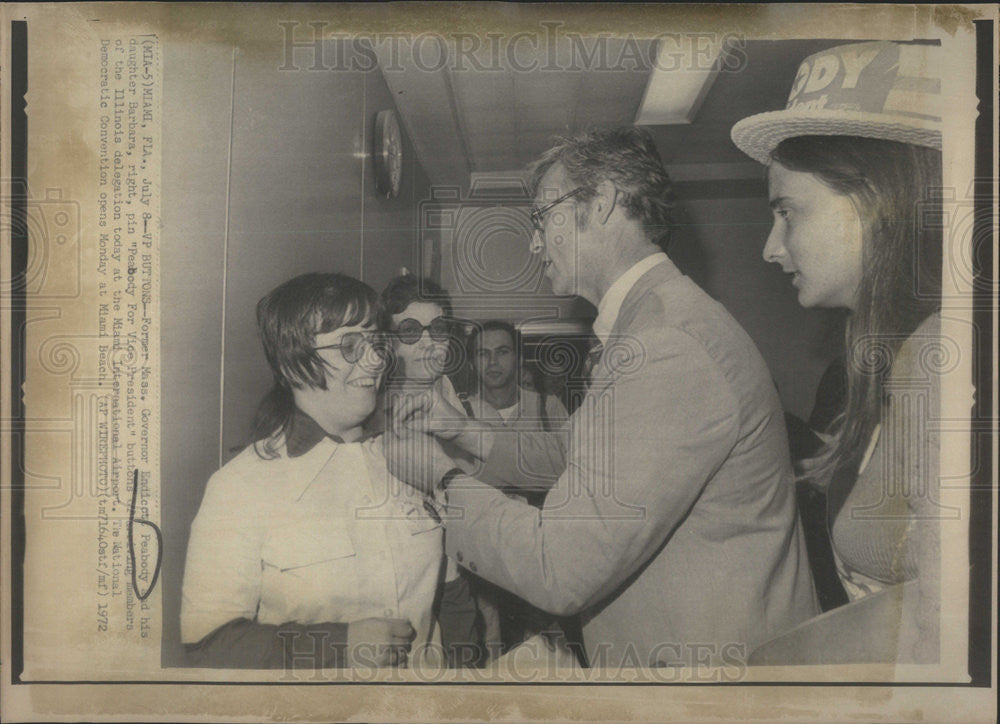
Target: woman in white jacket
(306, 552)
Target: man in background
(495, 352)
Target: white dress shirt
(611, 302)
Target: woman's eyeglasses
(353, 345)
(409, 331)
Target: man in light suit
(672, 528)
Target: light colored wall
(300, 197)
(303, 199)
(192, 266)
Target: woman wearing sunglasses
(306, 552)
(416, 315)
(425, 348)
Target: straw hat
(880, 90)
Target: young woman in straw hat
(852, 164)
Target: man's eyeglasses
(353, 345)
(409, 331)
(538, 214)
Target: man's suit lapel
(618, 341)
(633, 300)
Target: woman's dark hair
(288, 320)
(404, 290)
(895, 188)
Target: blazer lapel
(659, 274)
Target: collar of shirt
(304, 434)
(611, 302)
(509, 412)
(309, 450)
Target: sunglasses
(538, 214)
(353, 345)
(409, 331)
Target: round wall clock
(388, 153)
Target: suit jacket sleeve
(643, 446)
(527, 459)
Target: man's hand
(415, 458)
(428, 412)
(378, 642)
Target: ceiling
(489, 111)
(466, 119)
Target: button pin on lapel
(593, 358)
(432, 512)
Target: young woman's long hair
(288, 320)
(896, 189)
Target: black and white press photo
(499, 361)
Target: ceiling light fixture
(685, 68)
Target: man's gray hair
(627, 157)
